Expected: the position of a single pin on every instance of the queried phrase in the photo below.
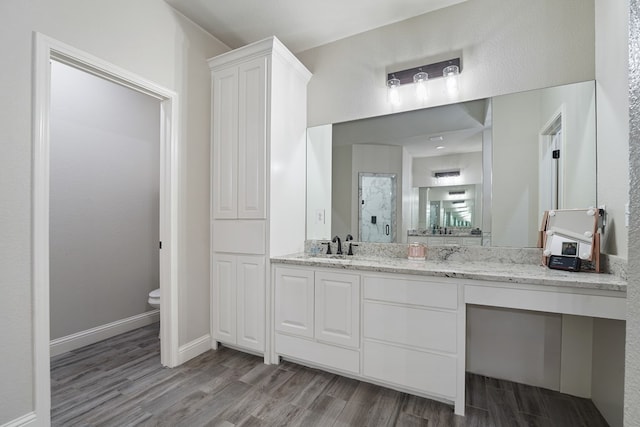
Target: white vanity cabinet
(239, 292)
(239, 140)
(398, 330)
(257, 206)
(411, 334)
(448, 239)
(317, 317)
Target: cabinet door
(252, 138)
(224, 156)
(337, 306)
(223, 296)
(294, 301)
(250, 303)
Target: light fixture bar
(447, 174)
(433, 70)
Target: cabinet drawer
(472, 241)
(239, 236)
(403, 291)
(431, 373)
(436, 240)
(322, 354)
(428, 329)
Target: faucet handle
(351, 245)
(328, 252)
(349, 237)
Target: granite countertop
(489, 271)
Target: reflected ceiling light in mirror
(420, 76)
(420, 79)
(450, 74)
(393, 85)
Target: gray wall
(104, 201)
(505, 46)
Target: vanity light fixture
(440, 147)
(447, 174)
(449, 69)
(436, 138)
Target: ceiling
(299, 24)
(460, 126)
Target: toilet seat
(154, 298)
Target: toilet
(154, 298)
(154, 301)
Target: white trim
(45, 49)
(23, 421)
(99, 333)
(194, 348)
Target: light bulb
(420, 79)
(450, 74)
(394, 95)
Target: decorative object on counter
(315, 248)
(570, 239)
(417, 252)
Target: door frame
(45, 50)
(557, 120)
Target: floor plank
(120, 382)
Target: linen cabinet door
(294, 301)
(337, 305)
(250, 302)
(252, 138)
(223, 296)
(224, 158)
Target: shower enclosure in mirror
(377, 213)
(520, 153)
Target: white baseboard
(194, 348)
(23, 421)
(99, 333)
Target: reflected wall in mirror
(502, 147)
(528, 128)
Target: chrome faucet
(339, 250)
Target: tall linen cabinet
(258, 157)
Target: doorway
(104, 227)
(550, 177)
(46, 50)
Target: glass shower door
(377, 213)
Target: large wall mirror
(486, 168)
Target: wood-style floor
(119, 382)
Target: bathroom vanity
(401, 323)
